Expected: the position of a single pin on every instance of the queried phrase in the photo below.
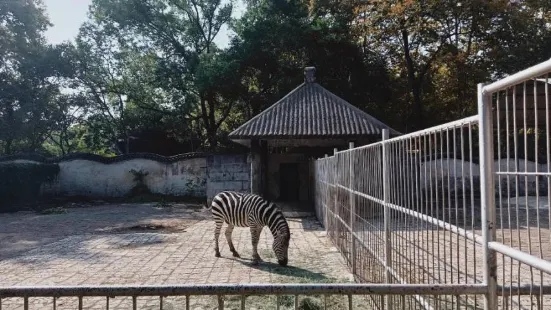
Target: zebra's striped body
(253, 211)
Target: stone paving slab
(170, 257)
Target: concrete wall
(274, 160)
(433, 171)
(228, 172)
(88, 176)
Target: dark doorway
(289, 183)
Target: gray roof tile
(310, 111)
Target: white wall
(435, 169)
(81, 177)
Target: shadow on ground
(301, 274)
(22, 232)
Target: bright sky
(68, 15)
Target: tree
(277, 39)
(181, 33)
(441, 49)
(30, 72)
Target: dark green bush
(20, 183)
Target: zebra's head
(281, 246)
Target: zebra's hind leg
(217, 236)
(229, 231)
(255, 237)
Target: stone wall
(228, 172)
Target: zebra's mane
(279, 213)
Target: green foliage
(20, 182)
(31, 73)
(439, 50)
(142, 66)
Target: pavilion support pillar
(264, 168)
(256, 168)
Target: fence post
(386, 215)
(487, 193)
(327, 194)
(335, 191)
(352, 201)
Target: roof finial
(309, 74)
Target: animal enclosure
(451, 217)
(464, 203)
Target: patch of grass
(163, 205)
(54, 210)
(309, 303)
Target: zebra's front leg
(216, 237)
(255, 237)
(229, 231)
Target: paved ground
(141, 244)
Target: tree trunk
(419, 120)
(414, 84)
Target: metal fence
(517, 112)
(218, 296)
(461, 203)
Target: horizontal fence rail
(285, 296)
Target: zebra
(255, 212)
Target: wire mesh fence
(522, 153)
(462, 203)
(404, 211)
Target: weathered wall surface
(432, 172)
(228, 172)
(96, 176)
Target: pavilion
(307, 123)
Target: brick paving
(92, 246)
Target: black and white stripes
(253, 211)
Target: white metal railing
(467, 202)
(516, 114)
(389, 208)
(354, 295)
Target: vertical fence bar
(386, 214)
(352, 201)
(487, 195)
